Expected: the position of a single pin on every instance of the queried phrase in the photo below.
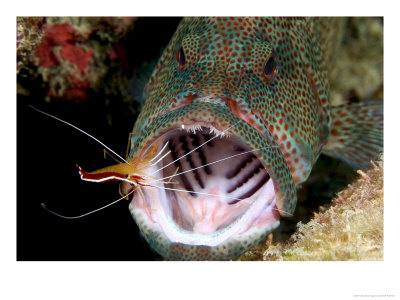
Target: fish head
(240, 133)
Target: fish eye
(180, 57)
(271, 68)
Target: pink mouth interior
(208, 199)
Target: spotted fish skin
(214, 73)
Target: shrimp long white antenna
(159, 153)
(73, 126)
(214, 195)
(214, 162)
(209, 140)
(89, 213)
(161, 158)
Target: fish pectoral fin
(357, 133)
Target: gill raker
(257, 84)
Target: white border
(223, 280)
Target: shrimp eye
(180, 57)
(271, 68)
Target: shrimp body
(130, 172)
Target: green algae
(351, 228)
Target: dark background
(47, 151)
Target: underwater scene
(225, 138)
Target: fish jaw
(197, 249)
(210, 225)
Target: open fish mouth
(208, 189)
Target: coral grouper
(239, 109)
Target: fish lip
(173, 233)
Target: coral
(29, 34)
(71, 54)
(357, 68)
(351, 228)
